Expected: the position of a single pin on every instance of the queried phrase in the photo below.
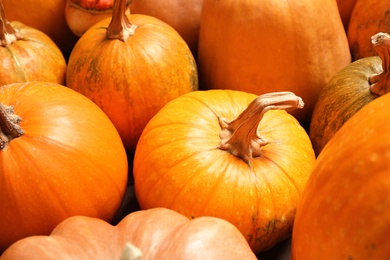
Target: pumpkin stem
(120, 26)
(131, 252)
(380, 83)
(240, 136)
(9, 125)
(8, 34)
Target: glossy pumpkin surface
(158, 233)
(179, 164)
(345, 208)
(68, 160)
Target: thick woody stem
(380, 83)
(120, 27)
(8, 34)
(240, 136)
(9, 125)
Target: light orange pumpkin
(28, 54)
(344, 212)
(227, 154)
(60, 156)
(157, 233)
(131, 66)
(266, 46)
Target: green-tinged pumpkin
(131, 66)
(60, 156)
(227, 154)
(157, 233)
(349, 90)
(344, 212)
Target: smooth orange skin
(159, 233)
(134, 79)
(69, 161)
(35, 57)
(368, 18)
(268, 46)
(345, 208)
(46, 16)
(182, 15)
(177, 165)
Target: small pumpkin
(349, 90)
(28, 54)
(158, 233)
(227, 154)
(344, 212)
(368, 18)
(267, 46)
(131, 66)
(60, 156)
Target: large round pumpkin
(349, 90)
(344, 212)
(131, 66)
(195, 158)
(157, 233)
(28, 54)
(266, 46)
(60, 155)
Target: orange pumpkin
(368, 18)
(206, 154)
(28, 54)
(131, 66)
(266, 46)
(345, 10)
(344, 212)
(186, 20)
(349, 90)
(45, 16)
(157, 233)
(60, 156)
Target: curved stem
(8, 34)
(9, 125)
(240, 136)
(380, 83)
(120, 27)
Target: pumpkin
(28, 54)
(80, 15)
(158, 233)
(344, 212)
(131, 66)
(266, 46)
(60, 156)
(345, 9)
(227, 154)
(45, 16)
(349, 90)
(186, 20)
(368, 18)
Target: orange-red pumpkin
(157, 233)
(28, 54)
(349, 90)
(195, 158)
(344, 212)
(60, 156)
(131, 66)
(266, 46)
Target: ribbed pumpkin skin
(345, 208)
(268, 46)
(159, 233)
(34, 58)
(368, 18)
(177, 165)
(346, 93)
(132, 80)
(69, 161)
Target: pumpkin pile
(194, 129)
